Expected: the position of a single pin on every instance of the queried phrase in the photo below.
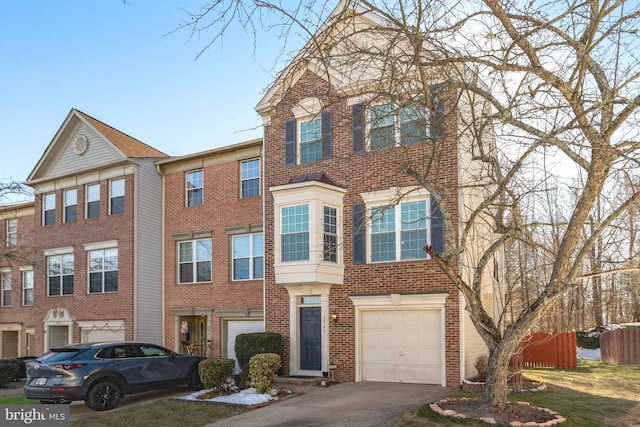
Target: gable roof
(124, 147)
(301, 63)
(131, 147)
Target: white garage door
(402, 346)
(102, 334)
(237, 327)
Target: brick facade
(222, 212)
(358, 173)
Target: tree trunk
(496, 388)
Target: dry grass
(162, 413)
(594, 395)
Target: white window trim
(58, 251)
(187, 189)
(11, 237)
(396, 125)
(107, 244)
(259, 177)
(24, 270)
(251, 257)
(88, 257)
(66, 205)
(194, 261)
(87, 200)
(111, 196)
(50, 254)
(394, 197)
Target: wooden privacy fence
(620, 346)
(542, 350)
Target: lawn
(162, 413)
(593, 395)
(15, 400)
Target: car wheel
(103, 395)
(195, 383)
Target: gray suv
(102, 373)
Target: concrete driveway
(345, 404)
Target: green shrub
(589, 340)
(214, 372)
(248, 345)
(263, 369)
(8, 372)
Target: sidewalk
(15, 389)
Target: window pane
(311, 152)
(241, 269)
(110, 259)
(203, 250)
(93, 193)
(186, 273)
(251, 187)
(241, 246)
(413, 243)
(117, 188)
(310, 141)
(330, 247)
(383, 247)
(250, 178)
(415, 131)
(49, 202)
(186, 254)
(67, 285)
(49, 217)
(95, 282)
(204, 271)
(27, 297)
(55, 266)
(382, 126)
(70, 197)
(250, 169)
(414, 215)
(110, 281)
(117, 205)
(194, 180)
(95, 261)
(258, 267)
(258, 244)
(295, 247)
(93, 209)
(54, 285)
(194, 197)
(295, 219)
(70, 213)
(383, 219)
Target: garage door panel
(237, 327)
(401, 346)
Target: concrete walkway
(346, 404)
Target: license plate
(40, 381)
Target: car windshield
(58, 354)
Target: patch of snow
(245, 397)
(587, 353)
(612, 327)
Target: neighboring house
(213, 248)
(347, 282)
(17, 259)
(97, 220)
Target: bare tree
(541, 90)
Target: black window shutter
(290, 142)
(437, 227)
(357, 126)
(327, 134)
(358, 233)
(436, 118)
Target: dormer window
(308, 137)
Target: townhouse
(213, 248)
(347, 282)
(17, 260)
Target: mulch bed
(515, 411)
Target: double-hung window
(194, 261)
(93, 201)
(116, 196)
(6, 288)
(399, 232)
(295, 233)
(103, 270)
(250, 178)
(27, 287)
(60, 272)
(310, 140)
(248, 256)
(194, 185)
(70, 205)
(330, 238)
(49, 209)
(11, 232)
(391, 125)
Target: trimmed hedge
(20, 364)
(214, 372)
(589, 340)
(263, 369)
(8, 372)
(248, 345)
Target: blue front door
(310, 339)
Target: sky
(119, 62)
